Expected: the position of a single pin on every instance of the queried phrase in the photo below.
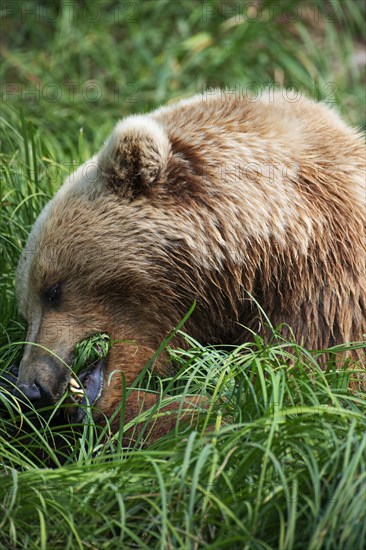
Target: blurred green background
(84, 64)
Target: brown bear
(238, 203)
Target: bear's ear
(136, 154)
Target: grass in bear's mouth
(92, 349)
(86, 383)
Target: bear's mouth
(85, 389)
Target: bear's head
(100, 259)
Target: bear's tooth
(74, 383)
(76, 390)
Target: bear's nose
(31, 391)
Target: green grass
(278, 459)
(282, 465)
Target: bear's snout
(42, 381)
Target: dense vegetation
(279, 458)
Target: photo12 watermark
(253, 92)
(70, 91)
(251, 11)
(51, 11)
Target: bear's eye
(52, 296)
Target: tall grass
(277, 459)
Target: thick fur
(214, 199)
